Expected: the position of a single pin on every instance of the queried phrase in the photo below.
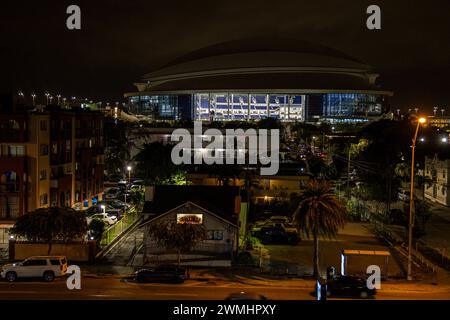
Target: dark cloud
(122, 40)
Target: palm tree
(320, 214)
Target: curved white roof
(261, 64)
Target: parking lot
(297, 259)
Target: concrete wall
(73, 251)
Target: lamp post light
(103, 208)
(126, 191)
(47, 95)
(420, 121)
(33, 97)
(59, 97)
(442, 111)
(129, 174)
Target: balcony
(54, 184)
(11, 187)
(13, 135)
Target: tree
(154, 163)
(117, 146)
(48, 225)
(422, 214)
(320, 214)
(180, 237)
(97, 228)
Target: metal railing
(118, 228)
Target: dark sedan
(151, 275)
(349, 286)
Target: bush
(96, 229)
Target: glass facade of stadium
(230, 106)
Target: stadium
(253, 79)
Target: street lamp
(103, 208)
(420, 121)
(33, 96)
(126, 191)
(129, 174)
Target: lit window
(214, 235)
(43, 149)
(43, 199)
(16, 151)
(43, 174)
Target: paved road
(116, 288)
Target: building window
(43, 199)
(43, 174)
(214, 235)
(54, 148)
(43, 125)
(43, 150)
(16, 151)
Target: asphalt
(106, 288)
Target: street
(120, 288)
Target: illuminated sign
(191, 218)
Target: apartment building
(50, 156)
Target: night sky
(122, 40)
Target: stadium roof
(261, 65)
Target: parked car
(106, 218)
(115, 203)
(149, 275)
(108, 209)
(135, 187)
(245, 296)
(280, 219)
(114, 178)
(283, 226)
(184, 273)
(138, 182)
(112, 193)
(404, 195)
(46, 267)
(78, 206)
(273, 235)
(348, 286)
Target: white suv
(47, 267)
